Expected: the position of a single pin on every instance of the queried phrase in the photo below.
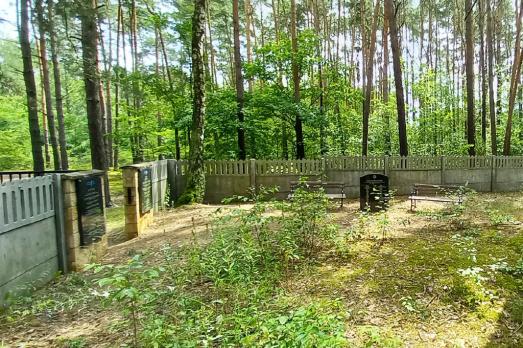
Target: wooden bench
(437, 193)
(328, 187)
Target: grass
(440, 277)
(115, 215)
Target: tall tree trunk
(248, 14)
(43, 109)
(57, 88)
(276, 15)
(92, 89)
(388, 145)
(321, 87)
(298, 126)
(116, 136)
(390, 14)
(195, 189)
(483, 71)
(239, 79)
(369, 63)
(469, 68)
(159, 126)
(492, 103)
(108, 66)
(514, 81)
(30, 89)
(47, 84)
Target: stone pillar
(79, 255)
(135, 221)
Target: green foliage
(14, 134)
(72, 343)
(222, 292)
(377, 338)
(309, 326)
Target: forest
(116, 79)
(227, 103)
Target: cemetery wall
(84, 217)
(229, 178)
(31, 249)
(145, 190)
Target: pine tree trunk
(30, 89)
(369, 63)
(483, 70)
(398, 78)
(108, 59)
(92, 89)
(62, 140)
(116, 136)
(298, 126)
(47, 84)
(248, 10)
(514, 81)
(321, 87)
(385, 87)
(492, 103)
(195, 189)
(469, 68)
(239, 79)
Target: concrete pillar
(493, 173)
(79, 255)
(252, 173)
(443, 179)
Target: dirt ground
(375, 281)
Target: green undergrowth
(283, 274)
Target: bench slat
(434, 199)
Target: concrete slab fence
(39, 234)
(229, 178)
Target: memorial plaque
(374, 192)
(90, 209)
(145, 186)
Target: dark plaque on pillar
(145, 187)
(374, 192)
(91, 219)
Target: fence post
(61, 243)
(323, 168)
(493, 172)
(443, 179)
(252, 172)
(386, 165)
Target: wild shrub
(222, 292)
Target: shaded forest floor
(433, 278)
